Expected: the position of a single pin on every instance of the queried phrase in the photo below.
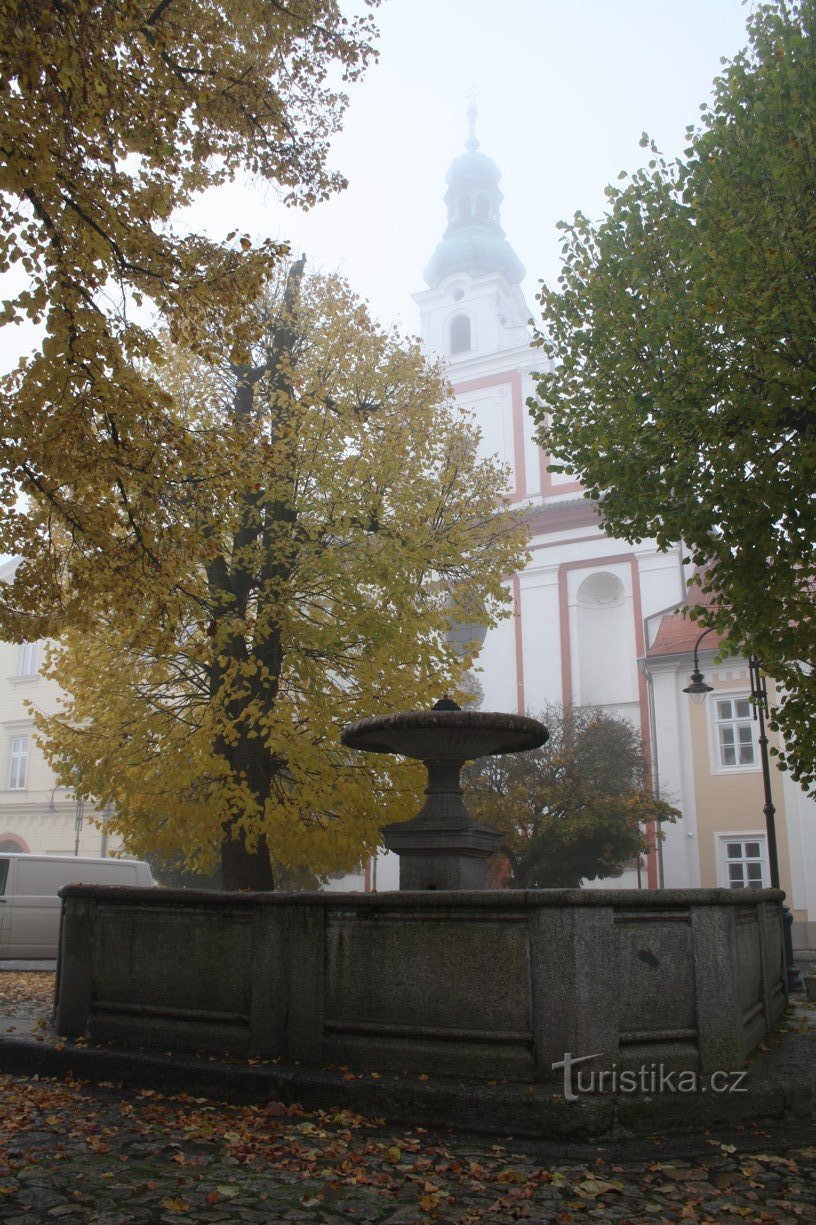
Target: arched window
(460, 334)
(466, 637)
(10, 843)
(483, 207)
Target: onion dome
(474, 241)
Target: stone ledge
(479, 899)
(781, 1091)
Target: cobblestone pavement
(96, 1154)
(25, 1001)
(76, 1153)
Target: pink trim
(521, 705)
(559, 544)
(546, 482)
(559, 518)
(548, 486)
(517, 407)
(566, 640)
(652, 877)
(22, 845)
(566, 664)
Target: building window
(460, 334)
(18, 763)
(735, 733)
(10, 844)
(28, 659)
(744, 863)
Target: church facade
(580, 606)
(594, 620)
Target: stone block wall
(488, 984)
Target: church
(577, 630)
(595, 620)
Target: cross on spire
(472, 143)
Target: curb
(529, 1112)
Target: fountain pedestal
(442, 847)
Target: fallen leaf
(590, 1187)
(176, 1205)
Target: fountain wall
(489, 984)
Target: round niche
(601, 590)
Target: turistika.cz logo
(648, 1078)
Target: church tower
(579, 606)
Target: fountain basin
(442, 847)
(487, 984)
(445, 734)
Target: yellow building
(35, 813)
(707, 761)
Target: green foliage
(575, 809)
(683, 387)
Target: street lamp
(697, 691)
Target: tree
(575, 809)
(682, 389)
(342, 520)
(173, 874)
(114, 116)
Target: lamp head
(698, 689)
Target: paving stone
(112, 1157)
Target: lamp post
(79, 812)
(697, 690)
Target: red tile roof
(677, 635)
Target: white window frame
(28, 660)
(717, 764)
(17, 776)
(743, 836)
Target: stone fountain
(443, 847)
(445, 978)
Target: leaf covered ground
(101, 1154)
(20, 988)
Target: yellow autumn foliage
(112, 117)
(342, 520)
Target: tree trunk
(257, 558)
(244, 871)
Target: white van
(29, 906)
